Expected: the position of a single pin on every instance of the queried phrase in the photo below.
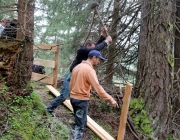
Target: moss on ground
(25, 118)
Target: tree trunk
(19, 79)
(176, 94)
(155, 63)
(176, 82)
(112, 47)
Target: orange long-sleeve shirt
(83, 77)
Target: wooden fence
(50, 80)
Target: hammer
(94, 6)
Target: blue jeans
(80, 108)
(64, 94)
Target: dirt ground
(62, 112)
(103, 114)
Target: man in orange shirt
(83, 78)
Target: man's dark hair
(90, 42)
(90, 57)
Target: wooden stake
(124, 112)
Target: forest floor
(102, 113)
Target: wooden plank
(124, 112)
(45, 63)
(55, 71)
(90, 123)
(48, 47)
(45, 79)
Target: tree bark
(176, 81)
(154, 79)
(23, 67)
(176, 93)
(112, 47)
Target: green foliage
(166, 41)
(28, 120)
(170, 26)
(139, 115)
(103, 107)
(171, 60)
(95, 138)
(64, 20)
(4, 89)
(164, 24)
(161, 35)
(171, 138)
(106, 127)
(4, 11)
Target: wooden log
(124, 112)
(90, 123)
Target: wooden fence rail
(52, 80)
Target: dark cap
(96, 53)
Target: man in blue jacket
(82, 54)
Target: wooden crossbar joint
(47, 63)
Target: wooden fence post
(55, 71)
(52, 80)
(124, 112)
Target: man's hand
(104, 31)
(108, 39)
(114, 103)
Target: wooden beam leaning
(124, 112)
(90, 123)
